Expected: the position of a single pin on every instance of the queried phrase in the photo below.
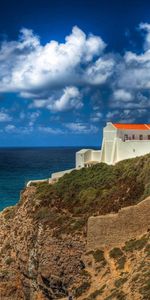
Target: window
(141, 136)
(133, 136)
(148, 137)
(125, 137)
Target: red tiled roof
(132, 126)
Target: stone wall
(113, 230)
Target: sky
(69, 66)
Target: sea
(19, 165)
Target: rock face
(41, 259)
(34, 263)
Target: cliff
(43, 239)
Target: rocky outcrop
(42, 259)
(34, 263)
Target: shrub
(82, 289)
(9, 213)
(96, 293)
(134, 244)
(145, 290)
(9, 260)
(121, 262)
(120, 282)
(99, 257)
(115, 253)
(119, 295)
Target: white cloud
(70, 98)
(33, 117)
(4, 117)
(122, 95)
(61, 76)
(81, 128)
(96, 116)
(10, 128)
(50, 130)
(29, 68)
(100, 71)
(146, 28)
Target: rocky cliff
(43, 253)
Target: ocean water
(19, 165)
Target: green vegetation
(145, 290)
(119, 295)
(121, 262)
(133, 245)
(82, 289)
(119, 282)
(115, 253)
(9, 260)
(99, 257)
(9, 213)
(99, 189)
(96, 293)
(118, 255)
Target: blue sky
(67, 67)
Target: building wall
(96, 155)
(109, 136)
(112, 230)
(136, 134)
(57, 175)
(82, 156)
(130, 149)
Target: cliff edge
(43, 239)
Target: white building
(120, 141)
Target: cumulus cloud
(29, 68)
(122, 95)
(146, 28)
(100, 71)
(65, 76)
(70, 98)
(131, 85)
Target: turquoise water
(19, 165)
